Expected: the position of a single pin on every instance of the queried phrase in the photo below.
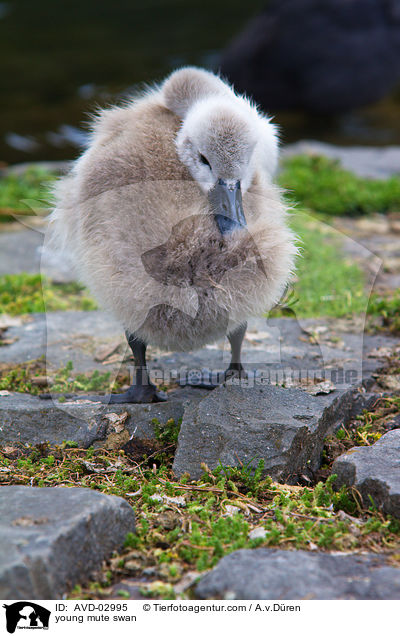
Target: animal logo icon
(26, 615)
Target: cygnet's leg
(142, 390)
(235, 369)
(235, 338)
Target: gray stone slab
(27, 419)
(366, 161)
(269, 574)
(374, 471)
(280, 347)
(53, 538)
(20, 251)
(25, 250)
(61, 337)
(286, 428)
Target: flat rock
(282, 347)
(374, 471)
(282, 351)
(375, 234)
(267, 573)
(53, 538)
(285, 427)
(27, 419)
(62, 337)
(20, 251)
(25, 250)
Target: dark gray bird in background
(321, 56)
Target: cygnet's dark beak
(226, 201)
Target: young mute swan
(173, 221)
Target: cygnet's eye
(204, 160)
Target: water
(58, 60)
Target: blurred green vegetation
(327, 283)
(17, 190)
(322, 185)
(33, 293)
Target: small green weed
(65, 382)
(364, 430)
(247, 479)
(20, 378)
(387, 308)
(167, 438)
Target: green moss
(167, 438)
(33, 293)
(124, 594)
(65, 382)
(167, 434)
(18, 379)
(248, 479)
(322, 185)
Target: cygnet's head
(216, 142)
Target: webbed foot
(236, 370)
(203, 380)
(136, 394)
